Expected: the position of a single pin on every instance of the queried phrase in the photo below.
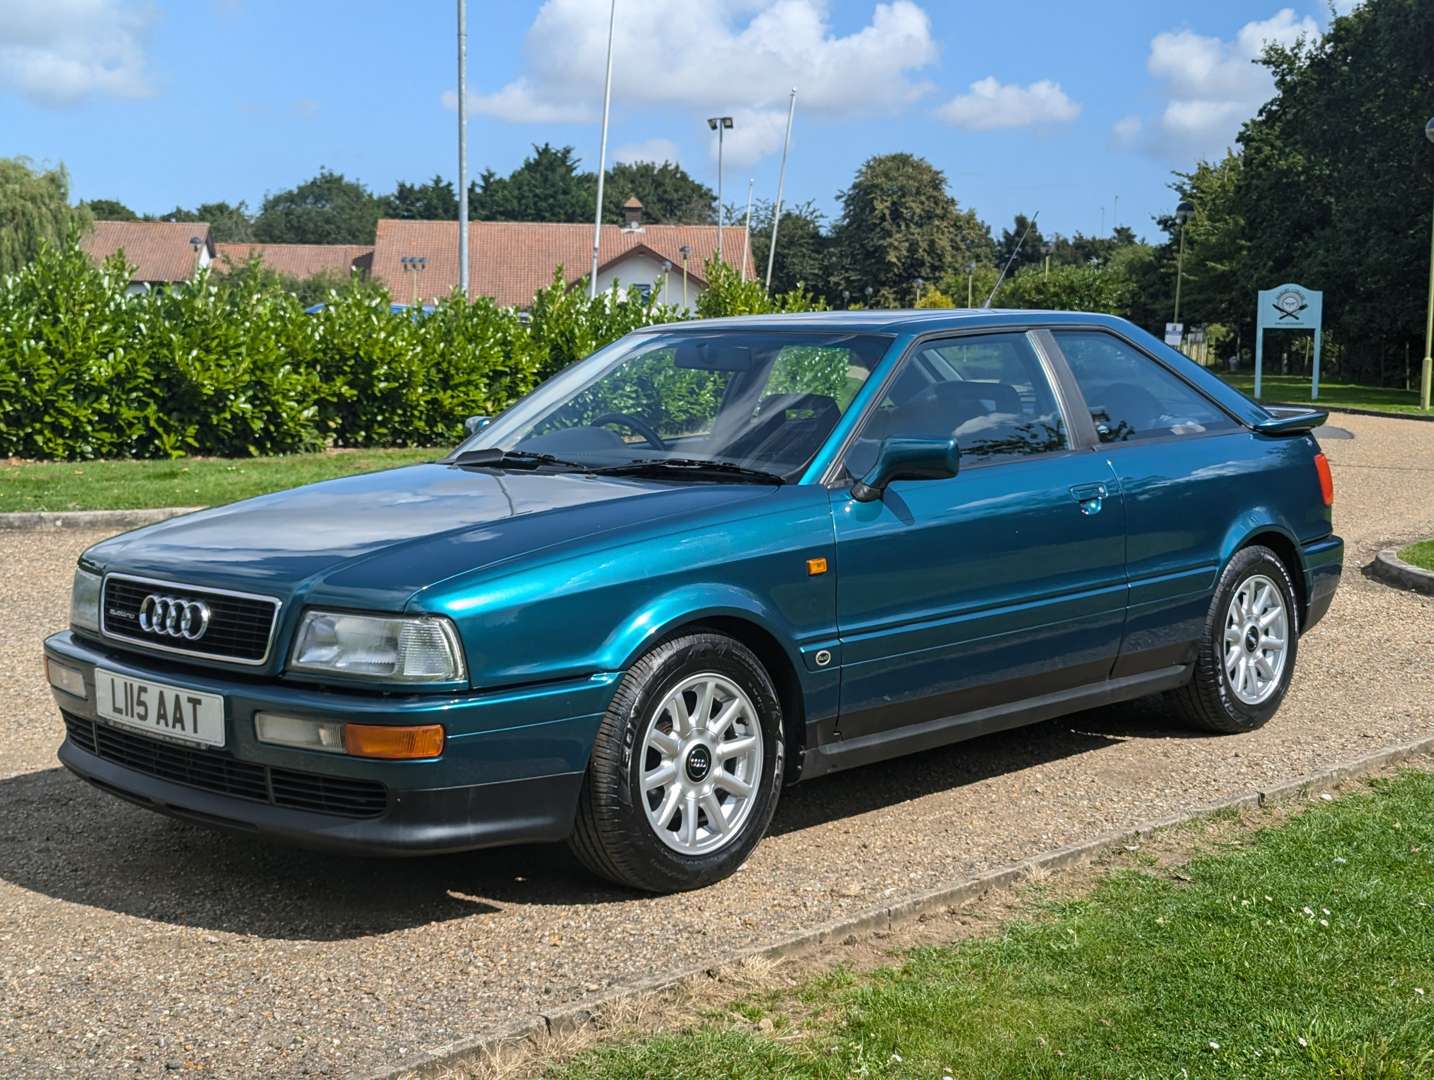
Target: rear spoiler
(1291, 421)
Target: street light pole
(781, 179)
(602, 153)
(719, 124)
(970, 285)
(747, 236)
(1183, 213)
(1426, 376)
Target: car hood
(381, 537)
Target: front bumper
(511, 770)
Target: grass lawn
(1296, 389)
(1303, 950)
(1420, 554)
(130, 485)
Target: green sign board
(1288, 307)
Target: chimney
(632, 215)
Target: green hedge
(235, 367)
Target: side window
(987, 391)
(1130, 395)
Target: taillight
(1326, 481)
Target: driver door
(1003, 583)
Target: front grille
(240, 627)
(212, 770)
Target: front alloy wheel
(686, 767)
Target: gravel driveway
(130, 943)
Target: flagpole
(747, 238)
(602, 152)
(781, 179)
(463, 147)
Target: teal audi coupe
(710, 560)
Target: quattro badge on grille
(176, 617)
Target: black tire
(612, 835)
(1208, 701)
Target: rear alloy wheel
(1248, 656)
(686, 767)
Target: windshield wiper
(494, 457)
(691, 467)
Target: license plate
(160, 709)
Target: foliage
(228, 222)
(433, 201)
(327, 209)
(109, 210)
(232, 365)
(932, 297)
(546, 187)
(1420, 554)
(803, 249)
(34, 210)
(1331, 188)
(1065, 288)
(728, 294)
(669, 196)
(898, 224)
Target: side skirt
(930, 734)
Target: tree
(35, 210)
(228, 222)
(109, 210)
(898, 224)
(546, 187)
(327, 209)
(1067, 288)
(433, 201)
(803, 250)
(1032, 252)
(667, 193)
(1332, 187)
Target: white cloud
(58, 52)
(1126, 130)
(989, 105)
(1214, 85)
(654, 150)
(719, 56)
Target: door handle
(1090, 496)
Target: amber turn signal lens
(816, 566)
(1326, 479)
(393, 743)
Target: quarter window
(988, 391)
(1130, 395)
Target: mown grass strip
(1304, 950)
(1420, 554)
(136, 485)
(1296, 389)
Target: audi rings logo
(170, 616)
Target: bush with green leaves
(235, 367)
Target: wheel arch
(1286, 548)
(742, 617)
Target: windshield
(763, 400)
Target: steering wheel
(638, 425)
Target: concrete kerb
(1389, 568)
(91, 519)
(567, 1021)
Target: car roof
(916, 320)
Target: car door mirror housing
(474, 424)
(908, 459)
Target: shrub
(236, 367)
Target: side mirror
(908, 459)
(474, 424)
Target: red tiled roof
(297, 260)
(511, 260)
(159, 250)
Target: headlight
(85, 601)
(397, 648)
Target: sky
(1078, 109)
